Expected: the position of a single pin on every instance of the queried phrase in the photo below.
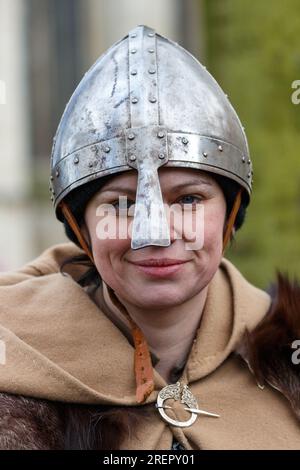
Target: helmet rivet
(150, 35)
(249, 161)
(57, 173)
(249, 174)
(184, 141)
(90, 164)
(132, 158)
(204, 154)
(76, 160)
(151, 51)
(107, 149)
(152, 71)
(133, 72)
(226, 96)
(51, 178)
(133, 51)
(161, 156)
(152, 99)
(131, 136)
(134, 100)
(52, 198)
(243, 159)
(220, 148)
(160, 134)
(53, 193)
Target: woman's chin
(159, 298)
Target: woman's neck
(170, 331)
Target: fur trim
(100, 428)
(268, 348)
(29, 424)
(36, 424)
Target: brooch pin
(186, 397)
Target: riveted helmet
(147, 103)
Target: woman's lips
(159, 268)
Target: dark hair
(230, 189)
(79, 197)
(77, 201)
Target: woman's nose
(156, 224)
(150, 225)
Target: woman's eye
(191, 200)
(128, 203)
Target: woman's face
(125, 270)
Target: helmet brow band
(232, 217)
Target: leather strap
(142, 359)
(76, 229)
(232, 217)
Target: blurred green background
(253, 50)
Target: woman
(143, 336)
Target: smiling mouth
(159, 268)
(159, 262)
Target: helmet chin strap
(142, 360)
(76, 229)
(231, 219)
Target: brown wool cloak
(60, 346)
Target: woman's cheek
(213, 233)
(108, 255)
(113, 228)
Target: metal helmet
(147, 103)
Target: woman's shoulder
(48, 262)
(272, 349)
(271, 343)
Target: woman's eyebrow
(193, 182)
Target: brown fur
(100, 428)
(268, 349)
(28, 423)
